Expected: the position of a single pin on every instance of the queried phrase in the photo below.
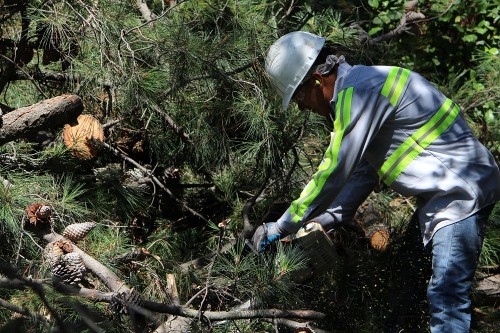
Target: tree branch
(239, 314)
(295, 325)
(54, 77)
(248, 227)
(171, 123)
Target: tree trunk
(50, 113)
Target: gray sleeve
(353, 194)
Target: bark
(180, 315)
(299, 327)
(175, 325)
(50, 113)
(172, 289)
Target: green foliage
(479, 95)
(21, 190)
(386, 15)
(265, 278)
(68, 191)
(490, 255)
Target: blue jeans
(455, 254)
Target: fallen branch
(22, 311)
(487, 290)
(15, 308)
(38, 290)
(45, 76)
(176, 128)
(225, 315)
(50, 113)
(295, 325)
(146, 13)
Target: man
(390, 124)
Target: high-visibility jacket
(392, 124)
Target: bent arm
(353, 194)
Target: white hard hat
(289, 60)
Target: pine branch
(14, 308)
(22, 311)
(409, 18)
(155, 180)
(55, 77)
(10, 67)
(37, 289)
(176, 128)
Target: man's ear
(317, 79)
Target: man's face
(315, 94)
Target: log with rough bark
(49, 113)
(487, 290)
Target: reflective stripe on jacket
(415, 138)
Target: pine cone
(77, 231)
(53, 252)
(65, 246)
(121, 302)
(75, 261)
(38, 213)
(69, 268)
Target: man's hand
(265, 235)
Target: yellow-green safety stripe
(330, 160)
(394, 84)
(417, 142)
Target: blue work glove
(265, 235)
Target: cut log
(50, 113)
(487, 290)
(80, 137)
(371, 222)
